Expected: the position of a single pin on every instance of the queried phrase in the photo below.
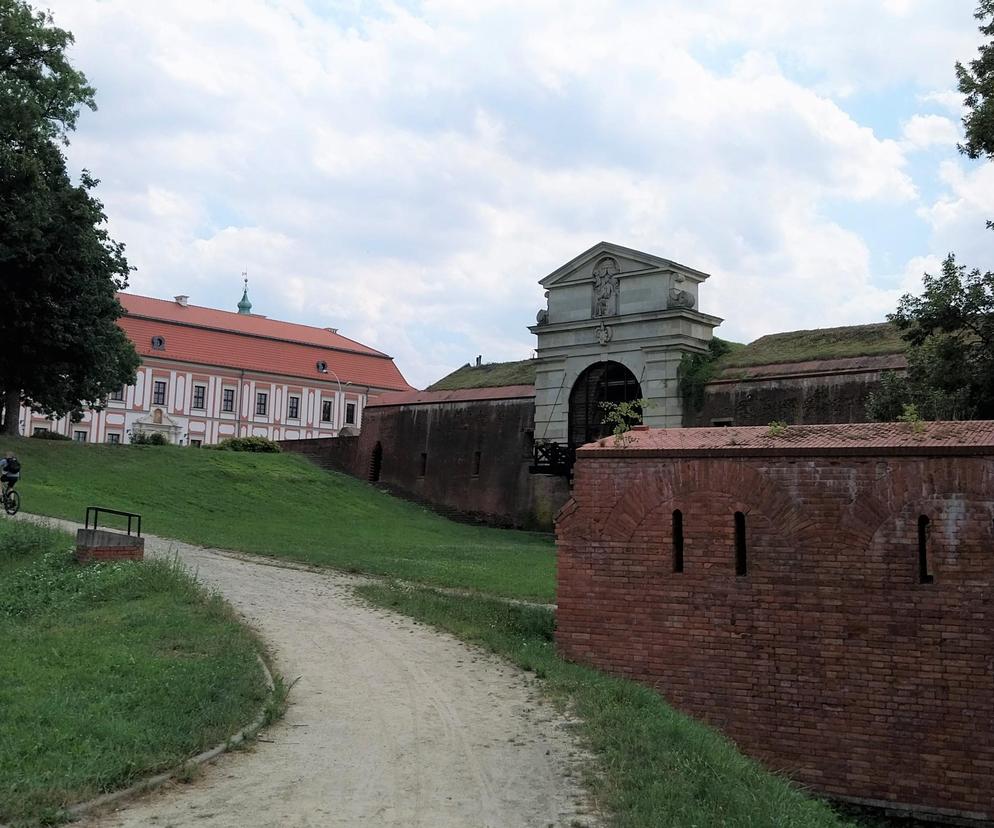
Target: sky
(407, 171)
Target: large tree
(950, 327)
(61, 348)
(976, 82)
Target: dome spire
(245, 306)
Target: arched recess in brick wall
(652, 486)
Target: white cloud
(408, 174)
(924, 131)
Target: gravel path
(391, 723)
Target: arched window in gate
(602, 382)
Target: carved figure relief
(678, 297)
(542, 317)
(605, 299)
(157, 416)
(604, 334)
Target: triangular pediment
(580, 269)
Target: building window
(293, 408)
(349, 413)
(261, 402)
(118, 395)
(159, 393)
(113, 439)
(39, 430)
(424, 465)
(477, 456)
(79, 436)
(199, 396)
(228, 399)
(723, 423)
(158, 343)
(326, 411)
(196, 443)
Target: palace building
(209, 374)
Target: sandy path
(390, 724)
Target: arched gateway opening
(609, 382)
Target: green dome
(245, 306)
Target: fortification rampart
(825, 597)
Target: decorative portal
(602, 382)
(605, 299)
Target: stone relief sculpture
(678, 297)
(605, 299)
(604, 334)
(542, 317)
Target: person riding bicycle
(10, 471)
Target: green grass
(491, 375)
(656, 767)
(110, 672)
(281, 505)
(822, 343)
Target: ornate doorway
(601, 382)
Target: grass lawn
(110, 672)
(657, 766)
(282, 505)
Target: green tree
(59, 269)
(950, 327)
(40, 92)
(976, 82)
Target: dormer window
(158, 343)
(322, 367)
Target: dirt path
(391, 723)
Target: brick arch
(647, 492)
(892, 495)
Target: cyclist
(10, 471)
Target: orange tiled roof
(967, 437)
(206, 336)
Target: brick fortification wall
(464, 458)
(828, 658)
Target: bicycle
(11, 499)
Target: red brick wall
(829, 659)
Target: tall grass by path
(657, 767)
(282, 505)
(108, 673)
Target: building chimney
(181, 300)
(479, 361)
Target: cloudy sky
(408, 171)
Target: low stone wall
(102, 545)
(831, 655)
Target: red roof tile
(970, 437)
(504, 392)
(245, 323)
(230, 340)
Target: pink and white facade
(207, 375)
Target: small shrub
(911, 416)
(148, 438)
(260, 444)
(621, 417)
(49, 435)
(777, 429)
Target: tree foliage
(976, 82)
(951, 360)
(59, 268)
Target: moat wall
(831, 657)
